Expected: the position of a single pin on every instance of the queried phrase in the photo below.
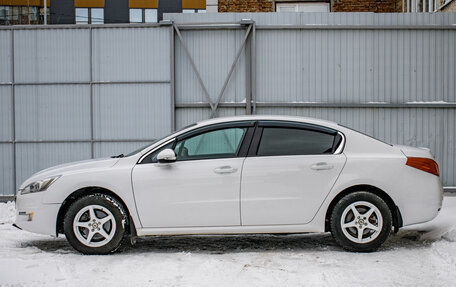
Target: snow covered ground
(422, 255)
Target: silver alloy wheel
(94, 225)
(361, 222)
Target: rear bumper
(34, 216)
(423, 201)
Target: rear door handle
(225, 169)
(321, 166)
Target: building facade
(377, 6)
(13, 12)
(29, 12)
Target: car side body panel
(417, 194)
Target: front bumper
(34, 216)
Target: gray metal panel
(128, 111)
(6, 131)
(49, 112)
(57, 55)
(304, 66)
(414, 127)
(394, 19)
(200, 18)
(34, 157)
(356, 118)
(409, 66)
(213, 53)
(131, 54)
(448, 168)
(109, 149)
(5, 56)
(187, 116)
(449, 63)
(6, 169)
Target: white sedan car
(250, 174)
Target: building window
(89, 16)
(82, 15)
(303, 7)
(143, 16)
(150, 15)
(136, 16)
(193, 10)
(14, 15)
(97, 16)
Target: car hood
(71, 167)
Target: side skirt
(230, 230)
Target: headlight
(40, 185)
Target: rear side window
(292, 141)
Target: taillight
(424, 164)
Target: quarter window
(222, 143)
(291, 141)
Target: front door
(200, 189)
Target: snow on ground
(423, 255)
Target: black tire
(104, 207)
(375, 228)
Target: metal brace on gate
(250, 24)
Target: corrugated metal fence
(75, 92)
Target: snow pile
(7, 212)
(420, 255)
(450, 235)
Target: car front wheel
(361, 222)
(95, 224)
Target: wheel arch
(396, 213)
(87, 191)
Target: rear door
(290, 169)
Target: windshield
(143, 147)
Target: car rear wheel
(361, 222)
(95, 224)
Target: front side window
(292, 141)
(222, 143)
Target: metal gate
(75, 92)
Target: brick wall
(377, 6)
(245, 6)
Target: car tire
(95, 224)
(361, 222)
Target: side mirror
(166, 156)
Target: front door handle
(225, 169)
(321, 166)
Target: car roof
(267, 118)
